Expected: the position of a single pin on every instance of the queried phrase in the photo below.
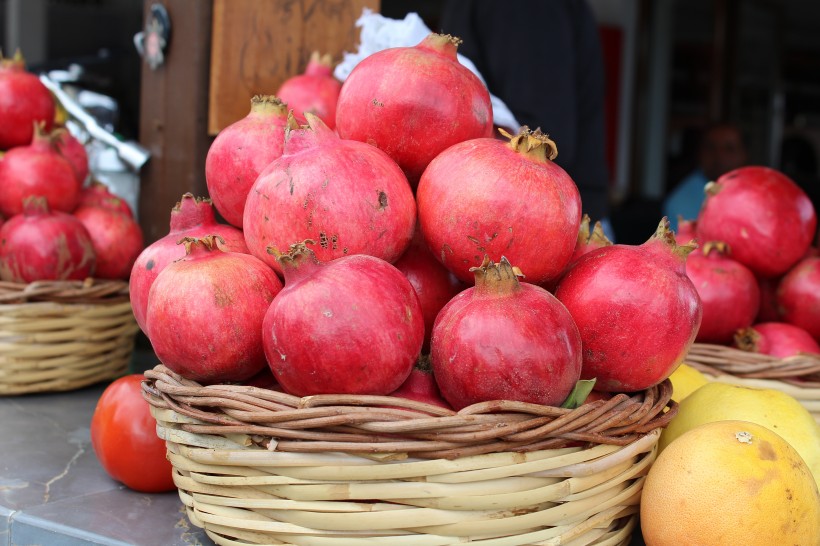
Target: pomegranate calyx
(319, 65)
(719, 248)
(666, 236)
(206, 242)
(35, 205)
(297, 254)
(747, 339)
(16, 62)
(268, 105)
(534, 144)
(596, 238)
(496, 278)
(444, 44)
(712, 188)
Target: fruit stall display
(66, 250)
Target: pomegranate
(637, 311)
(205, 312)
(117, 240)
(768, 311)
(766, 219)
(24, 100)
(98, 195)
(44, 245)
(505, 340)
(347, 195)
(687, 231)
(71, 149)
(433, 283)
(421, 386)
(486, 196)
(316, 91)
(777, 339)
(37, 169)
(352, 325)
(588, 241)
(728, 292)
(241, 152)
(190, 217)
(798, 296)
(414, 102)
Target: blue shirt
(686, 199)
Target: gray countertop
(53, 490)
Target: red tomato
(124, 437)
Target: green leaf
(579, 393)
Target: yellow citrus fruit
(730, 482)
(771, 408)
(686, 380)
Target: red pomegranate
(768, 311)
(71, 149)
(798, 296)
(485, 196)
(637, 311)
(316, 91)
(98, 195)
(24, 100)
(728, 292)
(351, 326)
(205, 313)
(433, 283)
(687, 231)
(766, 219)
(37, 169)
(191, 217)
(44, 245)
(421, 386)
(588, 241)
(777, 339)
(347, 195)
(414, 102)
(117, 240)
(241, 152)
(505, 340)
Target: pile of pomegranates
(408, 253)
(57, 227)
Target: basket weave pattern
(63, 335)
(797, 376)
(255, 466)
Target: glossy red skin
(239, 154)
(481, 197)
(40, 245)
(124, 438)
(421, 386)
(191, 217)
(117, 240)
(768, 311)
(347, 196)
(766, 219)
(687, 231)
(98, 195)
(798, 296)
(782, 340)
(637, 311)
(413, 103)
(433, 283)
(71, 149)
(37, 169)
(205, 315)
(23, 100)
(315, 91)
(728, 292)
(351, 326)
(521, 345)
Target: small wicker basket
(63, 335)
(798, 376)
(256, 466)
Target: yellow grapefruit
(686, 380)
(730, 482)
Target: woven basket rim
(389, 425)
(90, 290)
(801, 370)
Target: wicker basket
(63, 335)
(798, 376)
(255, 466)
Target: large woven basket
(63, 335)
(256, 466)
(798, 376)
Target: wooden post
(174, 115)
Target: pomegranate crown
(296, 253)
(13, 62)
(188, 196)
(208, 242)
(596, 237)
(665, 234)
(498, 277)
(532, 143)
